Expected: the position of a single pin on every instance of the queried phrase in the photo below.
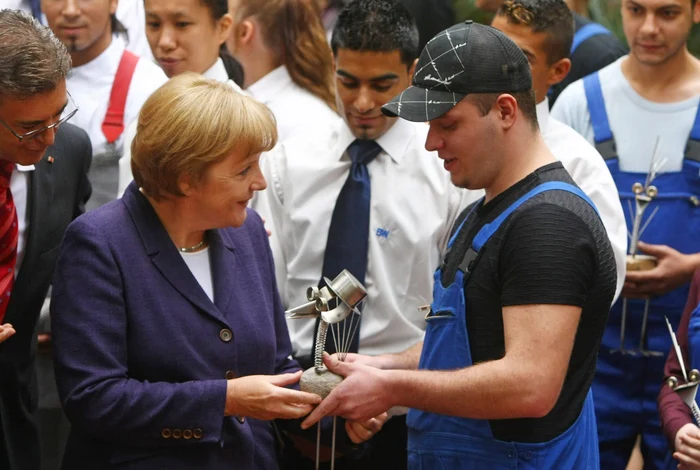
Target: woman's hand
(688, 447)
(359, 432)
(264, 397)
(6, 331)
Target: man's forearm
(407, 359)
(492, 390)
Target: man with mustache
(43, 186)
(638, 111)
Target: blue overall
(437, 441)
(626, 386)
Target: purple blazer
(142, 354)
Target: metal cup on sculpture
(644, 194)
(333, 303)
(689, 389)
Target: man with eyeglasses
(43, 186)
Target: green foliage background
(606, 12)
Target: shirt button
(527, 455)
(511, 454)
(177, 434)
(226, 335)
(197, 433)
(187, 434)
(240, 419)
(166, 433)
(230, 375)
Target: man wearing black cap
(521, 299)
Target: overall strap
(692, 149)
(586, 32)
(113, 124)
(489, 229)
(603, 136)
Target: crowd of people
(518, 200)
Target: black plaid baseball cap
(466, 58)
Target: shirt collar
(108, 60)
(24, 168)
(265, 89)
(394, 142)
(217, 71)
(543, 115)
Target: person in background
(542, 29)
(287, 62)
(109, 82)
(643, 111)
(677, 420)
(186, 36)
(44, 163)
(592, 48)
(361, 192)
(431, 16)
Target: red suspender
(113, 125)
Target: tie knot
(5, 173)
(363, 151)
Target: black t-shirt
(591, 56)
(552, 250)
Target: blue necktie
(348, 236)
(36, 8)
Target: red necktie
(9, 234)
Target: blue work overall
(437, 442)
(626, 386)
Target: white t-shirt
(413, 208)
(295, 108)
(90, 85)
(588, 169)
(200, 267)
(636, 122)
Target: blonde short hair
(190, 123)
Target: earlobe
(246, 31)
(508, 107)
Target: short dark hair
(377, 26)
(549, 16)
(526, 102)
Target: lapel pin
(50, 159)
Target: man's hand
(363, 395)
(359, 432)
(673, 270)
(265, 397)
(688, 447)
(352, 358)
(6, 331)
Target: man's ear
(507, 107)
(558, 71)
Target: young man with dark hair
(593, 47)
(542, 29)
(641, 112)
(521, 298)
(362, 193)
(43, 186)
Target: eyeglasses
(68, 112)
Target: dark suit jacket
(57, 194)
(142, 353)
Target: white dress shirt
(19, 186)
(588, 169)
(215, 72)
(295, 108)
(90, 85)
(132, 14)
(413, 208)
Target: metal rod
(696, 412)
(646, 224)
(318, 445)
(645, 318)
(335, 419)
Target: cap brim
(420, 104)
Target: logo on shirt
(382, 233)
